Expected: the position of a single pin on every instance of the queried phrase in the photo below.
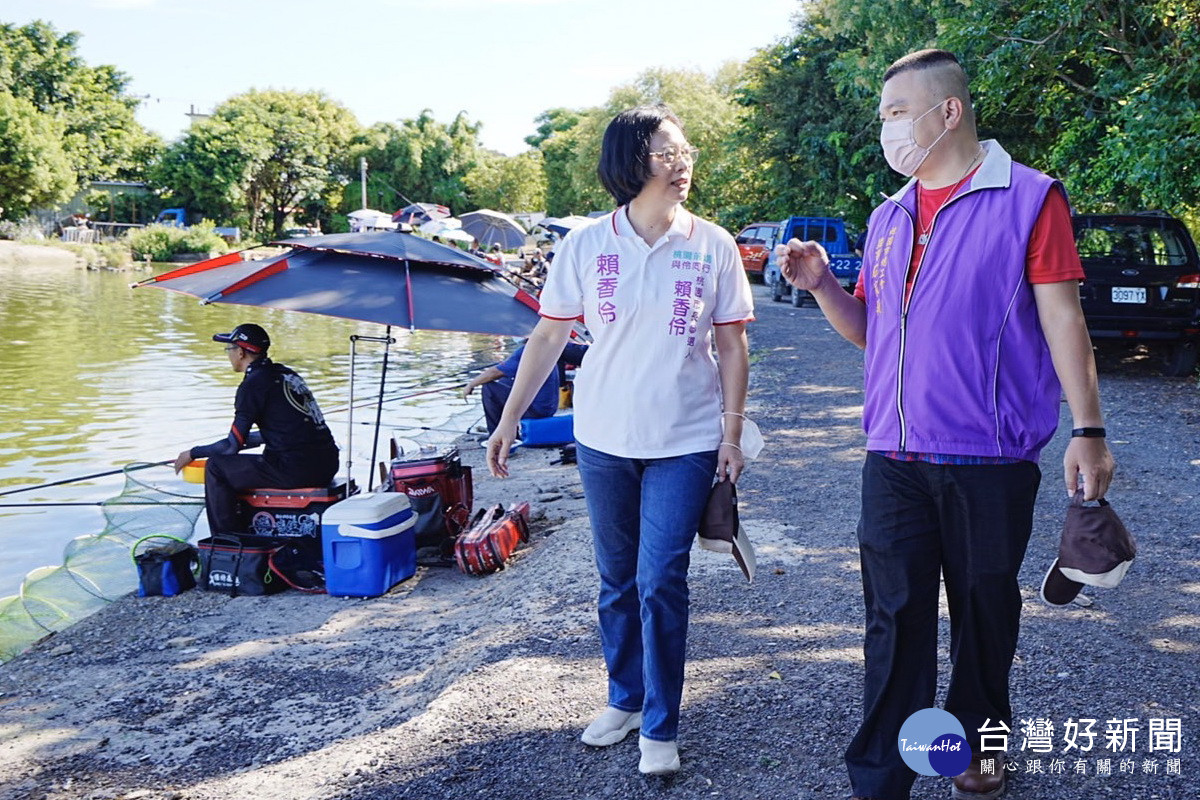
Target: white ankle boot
(658, 758)
(611, 727)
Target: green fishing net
(97, 568)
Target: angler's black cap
(247, 336)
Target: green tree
(380, 146)
(732, 175)
(507, 183)
(263, 156)
(555, 140)
(1104, 94)
(34, 170)
(570, 139)
(817, 149)
(421, 159)
(99, 134)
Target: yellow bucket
(194, 472)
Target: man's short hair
(951, 78)
(624, 164)
(921, 59)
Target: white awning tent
(456, 235)
(368, 219)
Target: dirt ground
(458, 687)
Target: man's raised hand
(803, 264)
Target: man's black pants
(969, 525)
(225, 477)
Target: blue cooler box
(548, 431)
(368, 543)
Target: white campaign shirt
(649, 386)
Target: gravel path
(454, 687)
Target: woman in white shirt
(656, 415)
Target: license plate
(1129, 294)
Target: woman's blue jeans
(645, 513)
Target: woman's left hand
(730, 462)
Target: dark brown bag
(721, 529)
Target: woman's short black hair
(624, 164)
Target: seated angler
(299, 451)
(497, 383)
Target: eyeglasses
(229, 348)
(669, 155)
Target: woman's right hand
(498, 447)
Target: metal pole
(354, 339)
(350, 422)
(362, 170)
(379, 409)
(412, 316)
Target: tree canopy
(34, 170)
(1104, 94)
(90, 106)
(516, 183)
(261, 156)
(418, 158)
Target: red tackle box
(440, 490)
(289, 512)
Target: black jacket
(276, 401)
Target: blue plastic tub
(548, 431)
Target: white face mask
(899, 142)
(752, 439)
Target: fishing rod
(86, 477)
(400, 426)
(465, 370)
(103, 503)
(399, 397)
(386, 398)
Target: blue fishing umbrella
(416, 213)
(561, 225)
(493, 227)
(385, 277)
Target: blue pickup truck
(830, 233)
(179, 218)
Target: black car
(1142, 283)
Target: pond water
(98, 375)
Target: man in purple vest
(968, 312)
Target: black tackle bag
(238, 564)
(165, 569)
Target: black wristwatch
(1088, 433)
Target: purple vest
(966, 371)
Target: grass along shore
(51, 253)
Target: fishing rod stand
(387, 341)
